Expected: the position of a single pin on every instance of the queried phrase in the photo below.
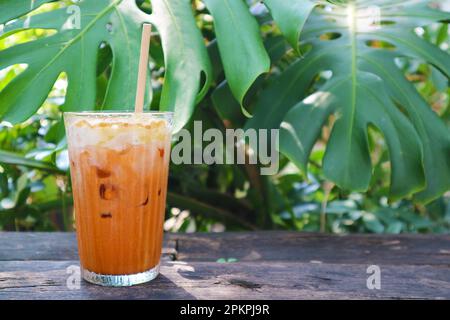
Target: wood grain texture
(270, 265)
(55, 246)
(242, 281)
(306, 247)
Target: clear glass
(119, 163)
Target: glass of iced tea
(119, 163)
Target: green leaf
(228, 107)
(186, 59)
(22, 190)
(4, 186)
(291, 17)
(49, 191)
(442, 34)
(395, 227)
(410, 44)
(372, 223)
(56, 132)
(17, 8)
(363, 102)
(11, 158)
(117, 23)
(439, 80)
(284, 91)
(433, 132)
(302, 127)
(74, 51)
(366, 88)
(241, 48)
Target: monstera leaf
(366, 89)
(118, 23)
(238, 37)
(74, 47)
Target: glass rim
(119, 113)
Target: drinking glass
(119, 163)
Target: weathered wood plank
(241, 280)
(306, 247)
(38, 246)
(280, 246)
(56, 246)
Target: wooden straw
(143, 66)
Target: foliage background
(35, 193)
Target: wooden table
(270, 265)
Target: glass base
(125, 280)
